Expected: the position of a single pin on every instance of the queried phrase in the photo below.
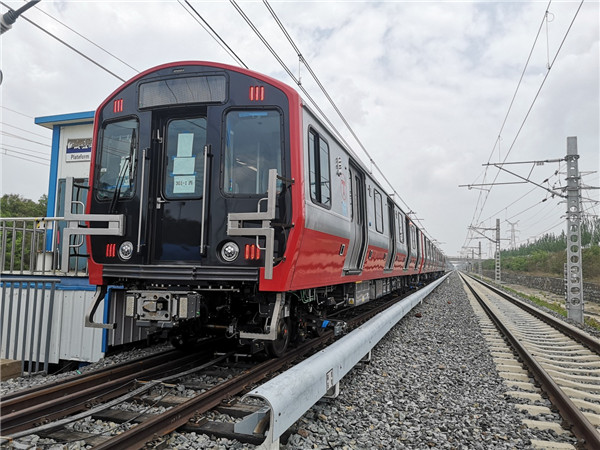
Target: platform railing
(27, 307)
(30, 246)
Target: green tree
(20, 235)
(14, 205)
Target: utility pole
(7, 19)
(479, 266)
(10, 17)
(573, 266)
(497, 256)
(496, 241)
(513, 237)
(574, 293)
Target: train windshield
(253, 146)
(114, 176)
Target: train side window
(253, 146)
(400, 228)
(116, 168)
(378, 211)
(320, 178)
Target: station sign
(79, 150)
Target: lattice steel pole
(574, 293)
(498, 277)
(479, 263)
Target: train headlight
(230, 251)
(125, 250)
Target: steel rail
(177, 416)
(581, 426)
(573, 332)
(54, 389)
(60, 401)
(48, 399)
(172, 419)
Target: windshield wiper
(126, 169)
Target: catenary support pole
(574, 293)
(498, 277)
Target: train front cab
(196, 158)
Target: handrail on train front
(116, 225)
(235, 223)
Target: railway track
(563, 360)
(47, 410)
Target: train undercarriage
(258, 321)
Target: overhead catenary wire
(498, 139)
(16, 112)
(292, 76)
(524, 120)
(298, 82)
(87, 39)
(518, 199)
(211, 31)
(23, 129)
(25, 156)
(16, 136)
(37, 152)
(329, 98)
(67, 45)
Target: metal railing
(31, 246)
(27, 307)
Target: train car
(220, 203)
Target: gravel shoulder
(432, 383)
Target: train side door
(411, 243)
(391, 256)
(359, 233)
(178, 197)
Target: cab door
(180, 156)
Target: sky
(433, 90)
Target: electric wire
(556, 173)
(26, 154)
(5, 150)
(66, 44)
(16, 112)
(26, 149)
(291, 75)
(330, 99)
(498, 139)
(23, 129)
(87, 39)
(538, 91)
(16, 136)
(211, 31)
(550, 66)
(325, 92)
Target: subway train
(219, 203)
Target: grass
(589, 321)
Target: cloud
(425, 85)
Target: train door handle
(159, 202)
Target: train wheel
(279, 346)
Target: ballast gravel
(431, 383)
